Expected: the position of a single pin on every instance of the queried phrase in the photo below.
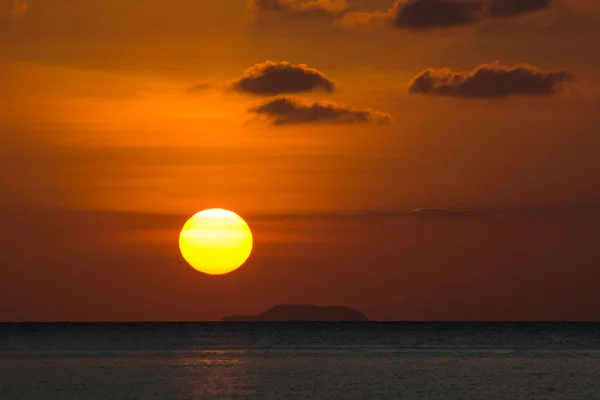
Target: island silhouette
(302, 313)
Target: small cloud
(286, 111)
(423, 15)
(491, 81)
(13, 8)
(330, 7)
(201, 87)
(274, 78)
(365, 20)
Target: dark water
(299, 361)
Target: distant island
(302, 313)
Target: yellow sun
(215, 241)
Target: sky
(415, 160)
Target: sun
(215, 241)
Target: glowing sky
(347, 134)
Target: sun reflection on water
(222, 374)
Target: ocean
(288, 361)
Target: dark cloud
(491, 81)
(509, 8)
(273, 78)
(419, 15)
(332, 7)
(13, 8)
(286, 111)
(429, 14)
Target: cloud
(286, 111)
(332, 7)
(429, 14)
(420, 15)
(509, 8)
(583, 6)
(502, 211)
(491, 81)
(365, 20)
(13, 8)
(274, 78)
(445, 212)
(201, 87)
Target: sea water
(399, 361)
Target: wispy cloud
(199, 88)
(441, 212)
(13, 8)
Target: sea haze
(299, 361)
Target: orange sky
(107, 150)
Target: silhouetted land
(303, 313)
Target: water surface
(299, 361)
